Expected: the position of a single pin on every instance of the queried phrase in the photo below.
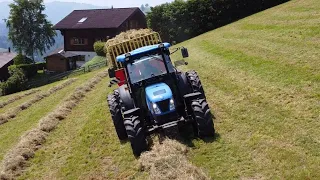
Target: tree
(29, 30)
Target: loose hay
(4, 118)
(16, 159)
(18, 97)
(124, 36)
(168, 161)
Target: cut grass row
(17, 97)
(10, 132)
(12, 113)
(16, 159)
(85, 146)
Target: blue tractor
(155, 97)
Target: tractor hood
(158, 92)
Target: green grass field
(262, 80)
(94, 60)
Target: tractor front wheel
(115, 110)
(136, 134)
(203, 123)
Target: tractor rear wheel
(136, 134)
(115, 110)
(195, 82)
(203, 123)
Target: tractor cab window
(146, 67)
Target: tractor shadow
(187, 136)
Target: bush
(99, 48)
(15, 83)
(2, 87)
(21, 59)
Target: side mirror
(111, 73)
(184, 52)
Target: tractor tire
(115, 110)
(136, 135)
(203, 124)
(195, 82)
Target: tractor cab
(150, 80)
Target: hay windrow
(168, 161)
(18, 97)
(15, 161)
(4, 118)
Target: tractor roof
(142, 50)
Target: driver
(154, 67)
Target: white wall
(88, 55)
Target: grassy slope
(261, 77)
(95, 60)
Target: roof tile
(5, 58)
(96, 18)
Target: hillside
(262, 80)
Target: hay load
(128, 35)
(129, 41)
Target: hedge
(29, 70)
(21, 59)
(41, 65)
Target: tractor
(153, 95)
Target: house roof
(3, 50)
(6, 57)
(62, 53)
(96, 18)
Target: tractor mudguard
(132, 112)
(127, 101)
(189, 97)
(183, 84)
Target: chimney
(9, 50)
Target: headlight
(172, 106)
(156, 108)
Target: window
(82, 20)
(79, 41)
(132, 24)
(146, 67)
